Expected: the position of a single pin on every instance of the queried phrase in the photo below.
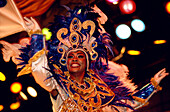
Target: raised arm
(144, 94)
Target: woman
(74, 68)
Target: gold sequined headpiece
(76, 39)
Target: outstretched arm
(144, 94)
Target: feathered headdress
(78, 30)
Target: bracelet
(34, 32)
(155, 84)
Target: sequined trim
(92, 97)
(69, 106)
(28, 69)
(155, 84)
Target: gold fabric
(27, 69)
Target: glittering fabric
(145, 92)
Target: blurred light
(46, 32)
(123, 31)
(167, 7)
(15, 106)
(16, 87)
(2, 77)
(113, 1)
(32, 91)
(159, 41)
(23, 95)
(133, 52)
(79, 11)
(138, 25)
(123, 50)
(1, 107)
(127, 6)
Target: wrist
(31, 32)
(155, 84)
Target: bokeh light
(123, 31)
(15, 87)
(47, 33)
(1, 107)
(127, 6)
(159, 41)
(113, 1)
(79, 11)
(32, 91)
(2, 77)
(23, 95)
(133, 52)
(167, 7)
(138, 25)
(15, 106)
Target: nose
(75, 59)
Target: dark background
(142, 67)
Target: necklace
(83, 88)
(91, 95)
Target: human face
(76, 62)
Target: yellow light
(115, 2)
(2, 77)
(15, 106)
(1, 107)
(23, 95)
(123, 50)
(159, 41)
(133, 52)
(16, 87)
(167, 7)
(32, 91)
(79, 11)
(46, 32)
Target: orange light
(1, 107)
(133, 52)
(159, 41)
(16, 87)
(15, 106)
(167, 7)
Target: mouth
(75, 65)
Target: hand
(160, 75)
(31, 24)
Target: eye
(70, 56)
(80, 56)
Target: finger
(164, 69)
(164, 75)
(27, 19)
(161, 71)
(161, 74)
(33, 19)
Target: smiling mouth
(75, 65)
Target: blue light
(138, 25)
(123, 31)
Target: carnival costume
(104, 85)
